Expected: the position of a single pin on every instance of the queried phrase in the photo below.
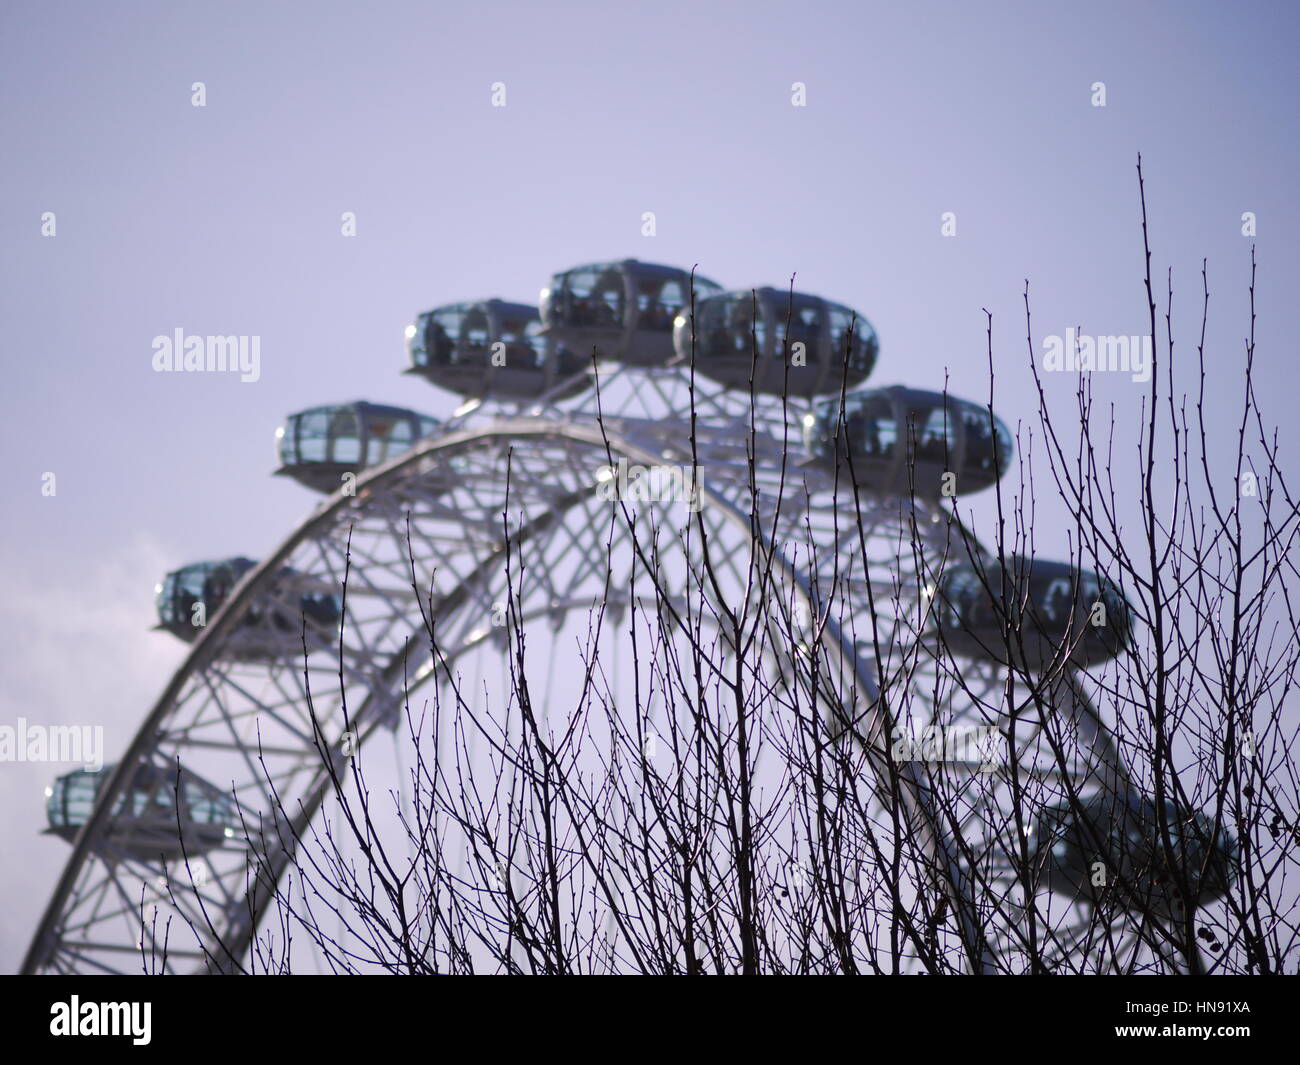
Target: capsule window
(379, 432)
(981, 444)
(595, 297)
(288, 438)
(711, 335)
(181, 591)
(1005, 447)
(441, 336)
(217, 585)
(386, 437)
(844, 336)
(518, 337)
(345, 436)
(965, 592)
(188, 590)
(874, 425)
(1059, 600)
(658, 303)
(569, 363)
(745, 331)
(73, 798)
(988, 446)
(672, 298)
(420, 342)
(313, 436)
(580, 284)
(608, 299)
(933, 434)
(475, 330)
(536, 344)
(801, 324)
(406, 431)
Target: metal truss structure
(504, 504)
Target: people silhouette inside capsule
(320, 447)
(1114, 846)
(1031, 613)
(493, 349)
(272, 626)
(162, 812)
(898, 441)
(620, 310)
(792, 344)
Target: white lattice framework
(850, 580)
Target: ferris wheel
(582, 498)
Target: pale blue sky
(225, 220)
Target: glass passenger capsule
(765, 333)
(897, 440)
(318, 447)
(1055, 613)
(493, 349)
(623, 310)
(158, 814)
(1114, 844)
(188, 599)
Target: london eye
(760, 399)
